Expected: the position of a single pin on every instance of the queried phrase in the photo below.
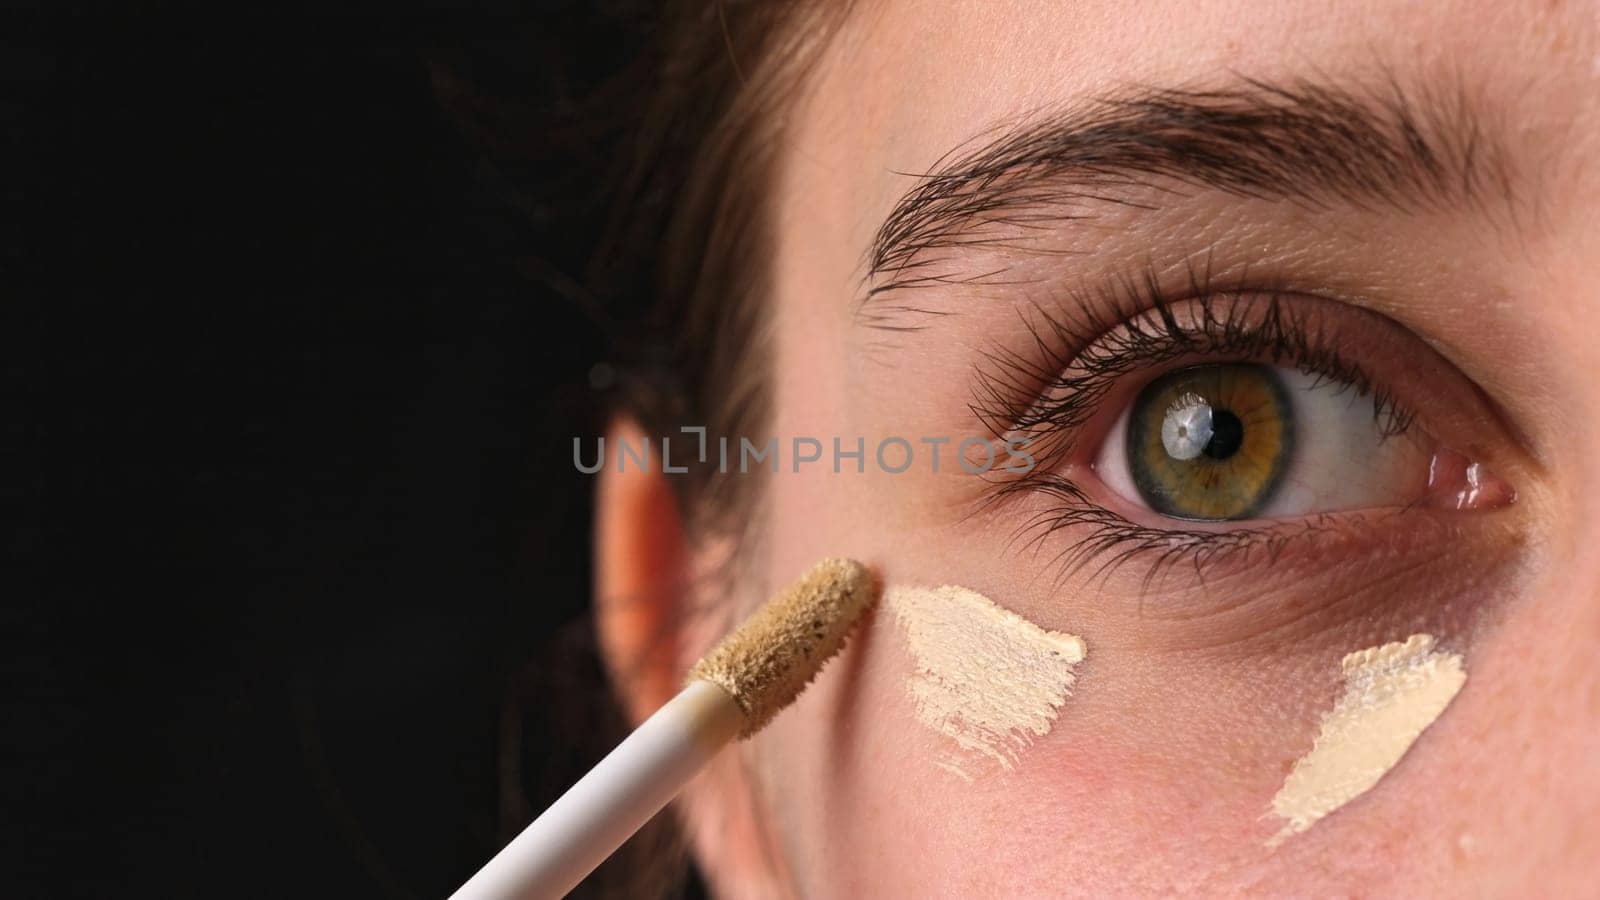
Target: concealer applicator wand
(733, 691)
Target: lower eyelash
(1112, 540)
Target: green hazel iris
(1211, 442)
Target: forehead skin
(859, 811)
(908, 82)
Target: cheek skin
(1155, 778)
(1158, 773)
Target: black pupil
(1227, 433)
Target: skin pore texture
(1209, 674)
(986, 678)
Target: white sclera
(1340, 458)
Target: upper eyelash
(1080, 358)
(1084, 349)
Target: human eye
(1228, 420)
(1244, 440)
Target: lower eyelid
(1105, 535)
(1412, 568)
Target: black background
(294, 351)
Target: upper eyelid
(1011, 391)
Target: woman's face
(1411, 190)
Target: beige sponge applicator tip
(767, 661)
(732, 692)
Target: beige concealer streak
(1391, 694)
(984, 677)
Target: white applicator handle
(616, 798)
(765, 663)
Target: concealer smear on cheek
(982, 676)
(1391, 694)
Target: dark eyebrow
(1312, 143)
